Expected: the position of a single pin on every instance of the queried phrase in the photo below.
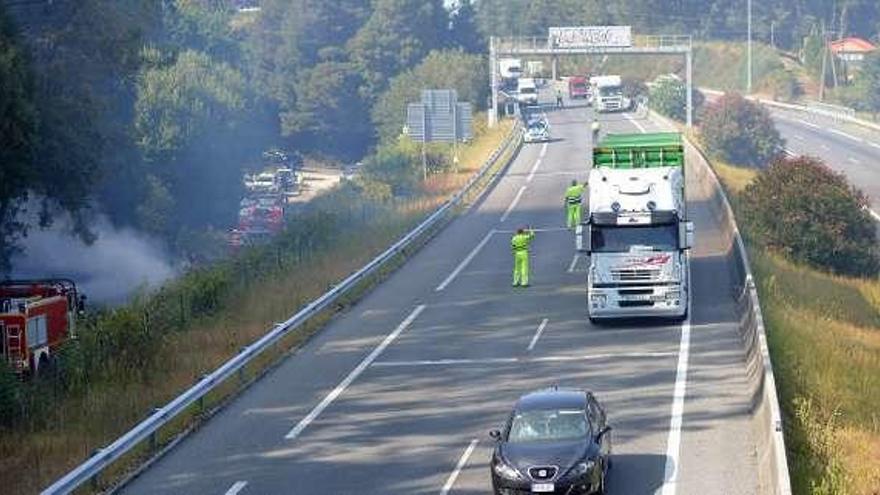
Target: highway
(397, 395)
(845, 147)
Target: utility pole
(824, 63)
(749, 48)
(773, 34)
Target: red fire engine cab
(36, 317)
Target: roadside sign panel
(439, 117)
(591, 37)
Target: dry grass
(824, 336)
(30, 461)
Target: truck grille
(635, 275)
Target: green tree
(17, 135)
(867, 85)
(669, 97)
(464, 31)
(449, 69)
(330, 115)
(398, 34)
(740, 131)
(803, 209)
(192, 123)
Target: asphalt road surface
(845, 147)
(397, 395)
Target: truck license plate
(543, 487)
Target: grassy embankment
(244, 297)
(824, 337)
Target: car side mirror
(495, 435)
(602, 433)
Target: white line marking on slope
(464, 263)
(673, 443)
(639, 126)
(846, 135)
(809, 124)
(826, 147)
(875, 145)
(462, 461)
(543, 150)
(336, 392)
(534, 170)
(874, 214)
(790, 152)
(854, 160)
(538, 333)
(798, 137)
(236, 487)
(513, 203)
(574, 263)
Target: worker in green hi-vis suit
(519, 244)
(573, 198)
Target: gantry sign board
(591, 37)
(439, 117)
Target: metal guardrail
(142, 432)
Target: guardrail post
(154, 441)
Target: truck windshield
(611, 91)
(527, 91)
(579, 86)
(622, 239)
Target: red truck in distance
(578, 87)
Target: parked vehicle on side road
(554, 441)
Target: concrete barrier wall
(773, 476)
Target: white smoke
(120, 262)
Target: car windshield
(547, 425)
(614, 239)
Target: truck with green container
(636, 231)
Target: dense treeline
(149, 112)
(789, 20)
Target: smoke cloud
(120, 262)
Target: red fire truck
(36, 317)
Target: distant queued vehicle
(537, 131)
(527, 92)
(579, 87)
(555, 441)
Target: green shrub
(10, 395)
(803, 209)
(669, 97)
(740, 132)
(782, 85)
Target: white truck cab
(608, 94)
(527, 91)
(636, 231)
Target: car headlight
(598, 300)
(582, 468)
(506, 472)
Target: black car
(555, 441)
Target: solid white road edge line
(673, 443)
(443, 362)
(236, 487)
(464, 263)
(538, 333)
(336, 392)
(639, 126)
(462, 461)
(574, 263)
(543, 150)
(855, 161)
(844, 134)
(534, 170)
(875, 215)
(513, 203)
